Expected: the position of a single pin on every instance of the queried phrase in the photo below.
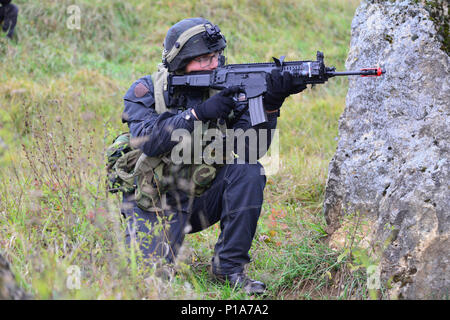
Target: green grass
(61, 102)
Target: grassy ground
(61, 102)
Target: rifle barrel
(376, 72)
(346, 73)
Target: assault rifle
(252, 79)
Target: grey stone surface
(8, 286)
(392, 160)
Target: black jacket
(143, 120)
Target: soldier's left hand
(279, 87)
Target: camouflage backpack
(117, 150)
(129, 169)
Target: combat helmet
(188, 39)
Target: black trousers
(8, 16)
(235, 199)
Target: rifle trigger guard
(240, 97)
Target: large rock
(8, 287)
(392, 160)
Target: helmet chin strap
(222, 60)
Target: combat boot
(240, 280)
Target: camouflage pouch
(119, 148)
(123, 173)
(203, 175)
(149, 189)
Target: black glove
(279, 87)
(218, 106)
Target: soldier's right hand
(218, 106)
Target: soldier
(8, 16)
(231, 193)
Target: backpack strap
(159, 80)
